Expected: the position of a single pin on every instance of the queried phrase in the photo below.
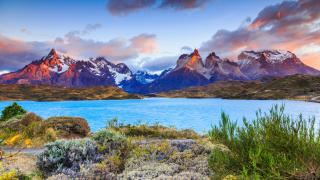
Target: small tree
(11, 111)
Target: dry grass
(54, 93)
(23, 162)
(156, 131)
(300, 87)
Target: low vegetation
(67, 156)
(300, 87)
(55, 93)
(11, 111)
(151, 131)
(29, 130)
(272, 146)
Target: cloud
(182, 4)
(87, 30)
(157, 64)
(14, 54)
(290, 25)
(4, 72)
(145, 43)
(124, 7)
(91, 27)
(26, 31)
(186, 49)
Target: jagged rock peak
(214, 55)
(195, 52)
(52, 54)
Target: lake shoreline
(183, 113)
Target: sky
(151, 34)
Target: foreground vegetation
(271, 146)
(19, 128)
(54, 93)
(300, 87)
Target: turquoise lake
(198, 114)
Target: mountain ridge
(190, 70)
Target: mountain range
(190, 70)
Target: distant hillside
(300, 87)
(54, 93)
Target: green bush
(11, 111)
(109, 140)
(273, 146)
(151, 131)
(66, 156)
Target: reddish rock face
(56, 69)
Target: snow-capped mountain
(145, 77)
(274, 63)
(189, 71)
(251, 65)
(57, 69)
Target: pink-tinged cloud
(124, 7)
(145, 43)
(290, 25)
(15, 54)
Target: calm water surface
(198, 114)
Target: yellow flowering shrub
(51, 134)
(27, 143)
(12, 140)
(10, 175)
(230, 177)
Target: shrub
(154, 131)
(114, 146)
(30, 118)
(109, 140)
(12, 174)
(51, 134)
(67, 156)
(273, 146)
(12, 111)
(69, 126)
(13, 140)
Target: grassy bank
(54, 93)
(270, 146)
(299, 87)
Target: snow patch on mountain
(61, 68)
(119, 77)
(98, 65)
(145, 77)
(270, 56)
(277, 56)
